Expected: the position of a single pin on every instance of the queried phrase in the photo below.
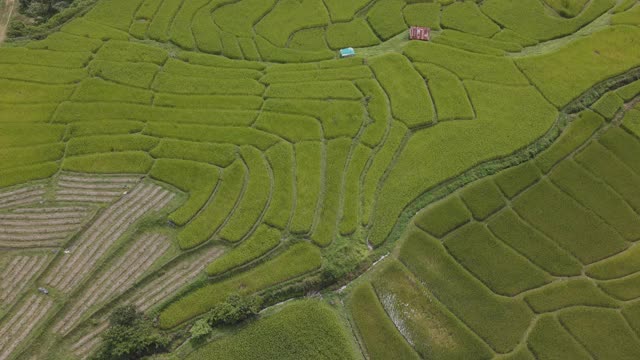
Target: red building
(420, 33)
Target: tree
(200, 330)
(235, 309)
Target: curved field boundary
(40, 227)
(118, 278)
(18, 274)
(107, 228)
(18, 327)
(151, 294)
(94, 189)
(22, 196)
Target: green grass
(565, 74)
(514, 180)
(568, 293)
(433, 330)
(308, 184)
(351, 218)
(66, 42)
(573, 227)
(630, 91)
(631, 121)
(549, 340)
(385, 18)
(326, 90)
(483, 198)
(20, 175)
(168, 82)
(293, 128)
(104, 127)
(588, 326)
(115, 13)
(380, 336)
(16, 92)
(595, 195)
(496, 265)
(529, 18)
(306, 329)
(423, 14)
(443, 217)
(625, 289)
(467, 17)
(409, 97)
(623, 264)
(109, 143)
(449, 95)
(133, 52)
(296, 261)
(608, 105)
(567, 9)
(536, 247)
(624, 145)
(214, 154)
(463, 295)
(216, 210)
(254, 198)
(58, 59)
(356, 33)
(127, 73)
(45, 74)
(577, 133)
(198, 180)
(377, 110)
(239, 18)
(629, 17)
(24, 156)
(288, 16)
(281, 160)
(344, 10)
(132, 162)
(259, 243)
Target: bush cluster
(233, 310)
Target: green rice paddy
(476, 196)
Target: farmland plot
(302, 167)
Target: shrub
(130, 336)
(307, 329)
(483, 198)
(235, 309)
(467, 17)
(263, 240)
(200, 330)
(532, 244)
(298, 260)
(409, 96)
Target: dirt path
(5, 17)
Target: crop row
(108, 227)
(117, 279)
(22, 196)
(18, 274)
(17, 327)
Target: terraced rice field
(471, 197)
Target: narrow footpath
(5, 18)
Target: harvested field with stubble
(472, 196)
